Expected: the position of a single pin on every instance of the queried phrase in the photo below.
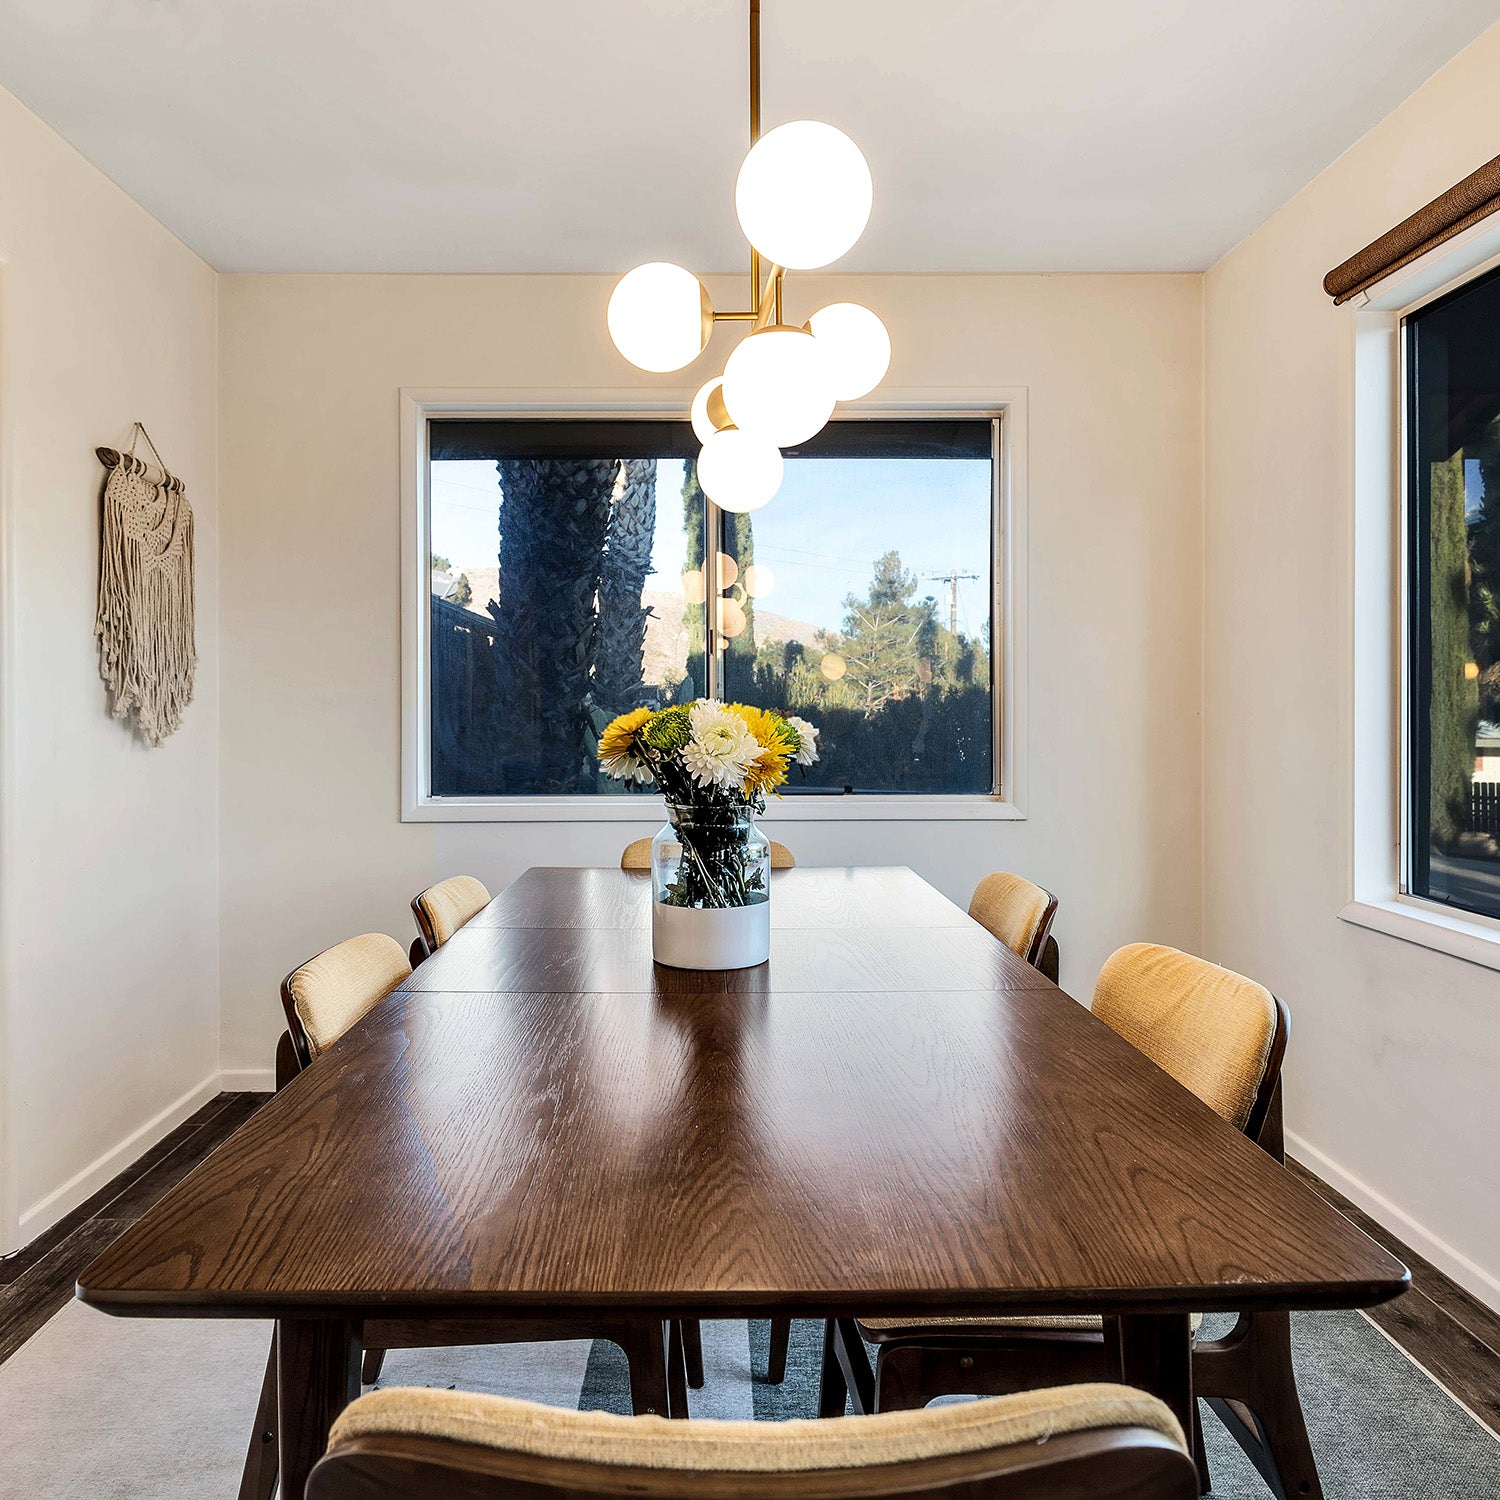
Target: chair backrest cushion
(1012, 908)
(332, 991)
(1210, 1028)
(450, 903)
(751, 1447)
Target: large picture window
(576, 572)
(1453, 570)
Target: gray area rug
(99, 1408)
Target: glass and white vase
(710, 889)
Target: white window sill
(649, 810)
(1472, 939)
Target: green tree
(619, 663)
(554, 519)
(440, 564)
(694, 506)
(463, 591)
(890, 638)
(1454, 703)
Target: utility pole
(952, 578)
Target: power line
(952, 578)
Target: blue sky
(820, 536)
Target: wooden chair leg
(677, 1401)
(854, 1365)
(369, 1371)
(1248, 1379)
(833, 1389)
(258, 1482)
(692, 1351)
(781, 1338)
(646, 1354)
(1200, 1453)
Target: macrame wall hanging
(145, 617)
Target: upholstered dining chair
(322, 999)
(1020, 914)
(637, 856)
(1224, 1037)
(442, 909)
(1107, 1442)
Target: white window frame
(1377, 741)
(419, 406)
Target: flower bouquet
(710, 865)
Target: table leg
(1156, 1355)
(317, 1364)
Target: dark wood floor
(1439, 1324)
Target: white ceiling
(588, 135)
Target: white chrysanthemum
(807, 740)
(625, 768)
(722, 749)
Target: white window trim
(1376, 698)
(417, 806)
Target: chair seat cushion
(881, 1330)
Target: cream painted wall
(312, 846)
(108, 861)
(1394, 1068)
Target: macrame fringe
(144, 623)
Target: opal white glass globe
(856, 348)
(803, 194)
(660, 316)
(739, 471)
(777, 386)
(706, 409)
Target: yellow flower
(777, 746)
(618, 750)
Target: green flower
(669, 731)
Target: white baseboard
(1472, 1277)
(248, 1080)
(45, 1212)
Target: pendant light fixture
(803, 198)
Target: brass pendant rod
(754, 131)
(772, 287)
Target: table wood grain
(887, 1118)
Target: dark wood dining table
(893, 1116)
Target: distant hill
(666, 634)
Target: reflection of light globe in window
(833, 666)
(729, 570)
(759, 580)
(732, 620)
(692, 586)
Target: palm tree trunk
(554, 517)
(620, 660)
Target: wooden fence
(1484, 807)
(465, 693)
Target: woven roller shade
(1465, 203)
